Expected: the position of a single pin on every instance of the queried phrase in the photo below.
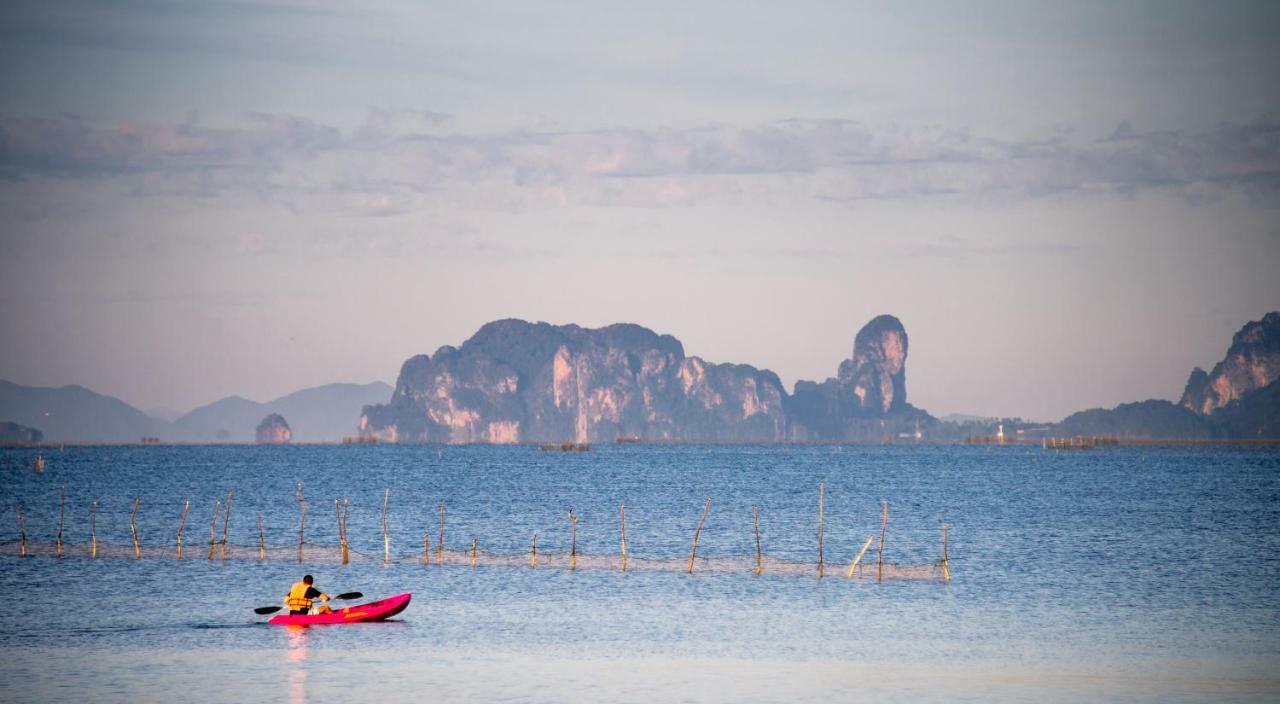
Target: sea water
(1118, 574)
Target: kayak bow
(374, 611)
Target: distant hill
(14, 434)
(1256, 414)
(163, 413)
(1144, 420)
(963, 418)
(323, 413)
(231, 418)
(76, 413)
(1239, 399)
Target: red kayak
(375, 611)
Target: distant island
(519, 382)
(273, 430)
(515, 381)
(1239, 399)
(15, 434)
(76, 414)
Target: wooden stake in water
(62, 516)
(186, 506)
(426, 548)
(213, 528)
(622, 519)
(340, 510)
(884, 523)
(226, 521)
(852, 565)
(473, 551)
(821, 505)
(693, 550)
(302, 519)
(440, 538)
(93, 530)
(22, 530)
(262, 539)
(946, 567)
(133, 528)
(533, 551)
(755, 517)
(346, 540)
(573, 540)
(386, 537)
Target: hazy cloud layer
(396, 157)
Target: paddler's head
(307, 579)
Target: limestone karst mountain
(273, 430)
(516, 381)
(1239, 399)
(1252, 362)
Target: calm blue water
(1129, 574)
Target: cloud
(68, 146)
(398, 160)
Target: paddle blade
(267, 609)
(349, 595)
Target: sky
(1068, 205)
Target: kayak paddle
(272, 609)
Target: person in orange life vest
(298, 600)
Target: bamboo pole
(22, 530)
(946, 567)
(302, 520)
(342, 529)
(93, 530)
(133, 528)
(440, 538)
(622, 518)
(262, 539)
(573, 540)
(213, 527)
(755, 517)
(346, 540)
(821, 506)
(62, 516)
(186, 506)
(852, 565)
(426, 549)
(533, 551)
(473, 551)
(386, 537)
(226, 521)
(693, 549)
(884, 523)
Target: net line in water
(757, 563)
(452, 558)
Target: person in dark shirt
(300, 595)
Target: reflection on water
(297, 643)
(1085, 570)
(297, 655)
